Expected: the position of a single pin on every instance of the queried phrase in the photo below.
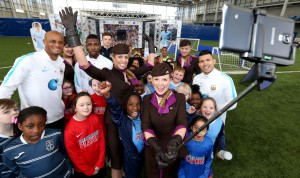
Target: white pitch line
(5, 67)
(286, 72)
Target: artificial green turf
(262, 132)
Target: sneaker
(222, 154)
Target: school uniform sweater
(46, 158)
(4, 171)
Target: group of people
(82, 112)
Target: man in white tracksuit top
(214, 83)
(38, 77)
(82, 79)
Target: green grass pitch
(262, 132)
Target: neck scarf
(130, 76)
(185, 61)
(168, 98)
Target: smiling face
(133, 106)
(54, 43)
(200, 136)
(6, 114)
(67, 51)
(139, 88)
(207, 63)
(136, 63)
(33, 127)
(177, 76)
(185, 50)
(208, 108)
(161, 83)
(67, 89)
(96, 86)
(93, 47)
(120, 61)
(83, 107)
(195, 100)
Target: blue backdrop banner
(20, 26)
(200, 31)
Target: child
(8, 112)
(196, 98)
(148, 86)
(68, 96)
(37, 152)
(99, 103)
(208, 109)
(200, 148)
(186, 90)
(188, 62)
(84, 139)
(177, 76)
(129, 125)
(140, 88)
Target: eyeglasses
(68, 88)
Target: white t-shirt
(81, 79)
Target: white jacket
(39, 82)
(219, 86)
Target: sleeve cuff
(148, 64)
(84, 68)
(150, 131)
(177, 128)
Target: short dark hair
(126, 98)
(196, 90)
(198, 117)
(106, 34)
(92, 36)
(184, 43)
(204, 52)
(27, 112)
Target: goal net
(230, 62)
(173, 47)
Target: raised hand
(69, 20)
(150, 43)
(105, 88)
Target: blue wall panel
(200, 31)
(20, 26)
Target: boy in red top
(99, 103)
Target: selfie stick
(266, 72)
